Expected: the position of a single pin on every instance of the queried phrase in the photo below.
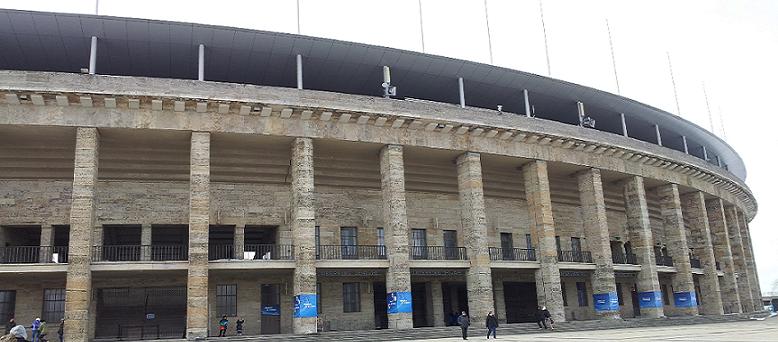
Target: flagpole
(421, 28)
(298, 16)
(545, 36)
(707, 105)
(613, 57)
(488, 32)
(675, 89)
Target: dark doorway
(270, 309)
(419, 300)
(506, 244)
(260, 242)
(121, 242)
(635, 301)
(141, 313)
(169, 242)
(221, 242)
(521, 302)
(379, 305)
(454, 300)
(450, 244)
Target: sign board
(305, 305)
(150, 316)
(271, 310)
(399, 302)
(685, 299)
(606, 302)
(650, 299)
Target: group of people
(39, 330)
(224, 323)
(543, 317)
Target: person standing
(223, 326)
(239, 326)
(42, 331)
(36, 326)
(10, 325)
(61, 330)
(464, 323)
(491, 325)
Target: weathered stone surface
(549, 287)
(722, 251)
(398, 276)
(199, 218)
(738, 257)
(753, 277)
(696, 214)
(82, 219)
(642, 241)
(675, 235)
(471, 201)
(303, 227)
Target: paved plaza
(751, 331)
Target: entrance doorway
(141, 313)
(419, 300)
(635, 301)
(379, 305)
(454, 300)
(521, 302)
(270, 309)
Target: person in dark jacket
(61, 330)
(464, 323)
(540, 318)
(9, 325)
(491, 325)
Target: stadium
(159, 175)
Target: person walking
(9, 325)
(36, 326)
(42, 331)
(491, 325)
(239, 326)
(223, 326)
(540, 318)
(61, 330)
(547, 316)
(464, 323)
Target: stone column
(547, 279)
(303, 236)
(471, 202)
(756, 294)
(721, 250)
(438, 316)
(239, 240)
(199, 218)
(145, 241)
(684, 297)
(595, 226)
(78, 290)
(398, 276)
(499, 300)
(694, 205)
(738, 258)
(47, 243)
(642, 240)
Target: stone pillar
(145, 241)
(547, 279)
(78, 289)
(499, 301)
(721, 250)
(47, 243)
(642, 241)
(756, 294)
(738, 258)
(303, 237)
(438, 316)
(398, 276)
(199, 218)
(694, 204)
(471, 202)
(684, 297)
(595, 226)
(239, 240)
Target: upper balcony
(350, 252)
(575, 256)
(624, 258)
(34, 254)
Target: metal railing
(221, 252)
(574, 256)
(34, 254)
(347, 252)
(626, 259)
(664, 260)
(695, 263)
(437, 253)
(511, 254)
(268, 252)
(140, 253)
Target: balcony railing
(695, 263)
(221, 252)
(140, 253)
(511, 254)
(350, 252)
(34, 254)
(574, 256)
(627, 259)
(438, 253)
(664, 260)
(268, 252)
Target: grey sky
(730, 46)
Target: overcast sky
(729, 46)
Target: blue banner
(685, 299)
(606, 302)
(271, 310)
(305, 305)
(650, 299)
(399, 302)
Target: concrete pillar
(93, 56)
(721, 250)
(527, 111)
(738, 258)
(239, 240)
(756, 295)
(461, 92)
(595, 226)
(47, 241)
(201, 63)
(684, 297)
(642, 240)
(78, 289)
(299, 60)
(499, 301)
(398, 276)
(199, 218)
(623, 125)
(145, 241)
(538, 194)
(471, 202)
(697, 216)
(438, 316)
(303, 237)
